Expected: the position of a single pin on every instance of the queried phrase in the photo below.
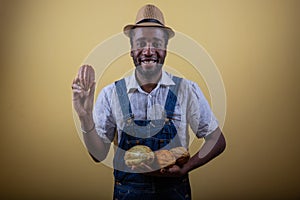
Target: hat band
(150, 20)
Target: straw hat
(149, 16)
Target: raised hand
(83, 87)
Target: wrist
(87, 123)
(186, 168)
(87, 131)
(86, 118)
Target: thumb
(173, 169)
(92, 89)
(91, 93)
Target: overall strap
(172, 97)
(123, 98)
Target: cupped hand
(83, 88)
(172, 171)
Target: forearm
(209, 150)
(97, 148)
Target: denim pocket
(182, 192)
(133, 191)
(121, 192)
(180, 195)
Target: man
(152, 108)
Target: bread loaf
(181, 155)
(137, 155)
(164, 158)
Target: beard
(151, 73)
(149, 66)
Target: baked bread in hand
(164, 158)
(181, 155)
(137, 155)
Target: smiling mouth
(148, 61)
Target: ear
(131, 53)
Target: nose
(148, 50)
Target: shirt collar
(133, 85)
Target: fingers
(173, 169)
(90, 74)
(80, 76)
(147, 167)
(86, 76)
(77, 89)
(76, 86)
(92, 77)
(142, 168)
(78, 82)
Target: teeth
(148, 61)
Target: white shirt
(192, 108)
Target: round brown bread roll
(164, 158)
(181, 155)
(137, 155)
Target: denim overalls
(156, 134)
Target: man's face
(148, 49)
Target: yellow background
(255, 45)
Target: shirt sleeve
(201, 118)
(104, 121)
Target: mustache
(152, 58)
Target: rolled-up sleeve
(103, 116)
(200, 116)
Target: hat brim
(127, 28)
